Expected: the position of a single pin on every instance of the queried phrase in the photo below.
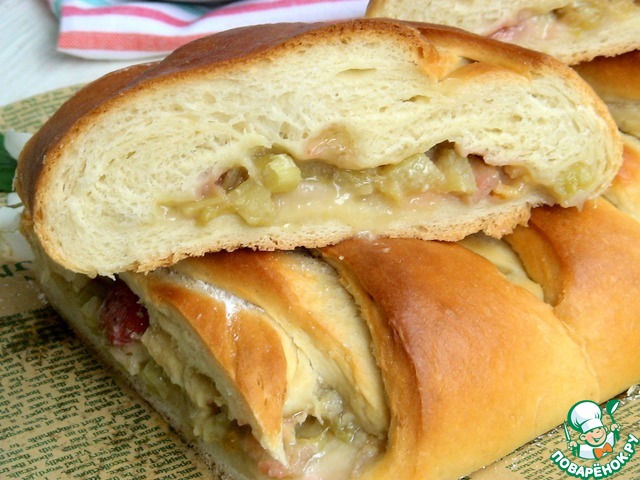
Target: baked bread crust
(125, 190)
(577, 256)
(615, 80)
(440, 333)
(323, 321)
(448, 336)
(613, 77)
(573, 31)
(416, 341)
(624, 191)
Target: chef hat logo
(585, 416)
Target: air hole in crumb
(418, 99)
(355, 73)
(286, 130)
(240, 127)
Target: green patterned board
(29, 114)
(26, 116)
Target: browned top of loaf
(226, 49)
(446, 325)
(588, 264)
(614, 77)
(244, 347)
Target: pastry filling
(267, 188)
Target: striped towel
(121, 29)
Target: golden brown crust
(624, 191)
(614, 77)
(473, 366)
(484, 49)
(242, 343)
(246, 45)
(301, 296)
(458, 346)
(589, 267)
(440, 332)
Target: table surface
(29, 61)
